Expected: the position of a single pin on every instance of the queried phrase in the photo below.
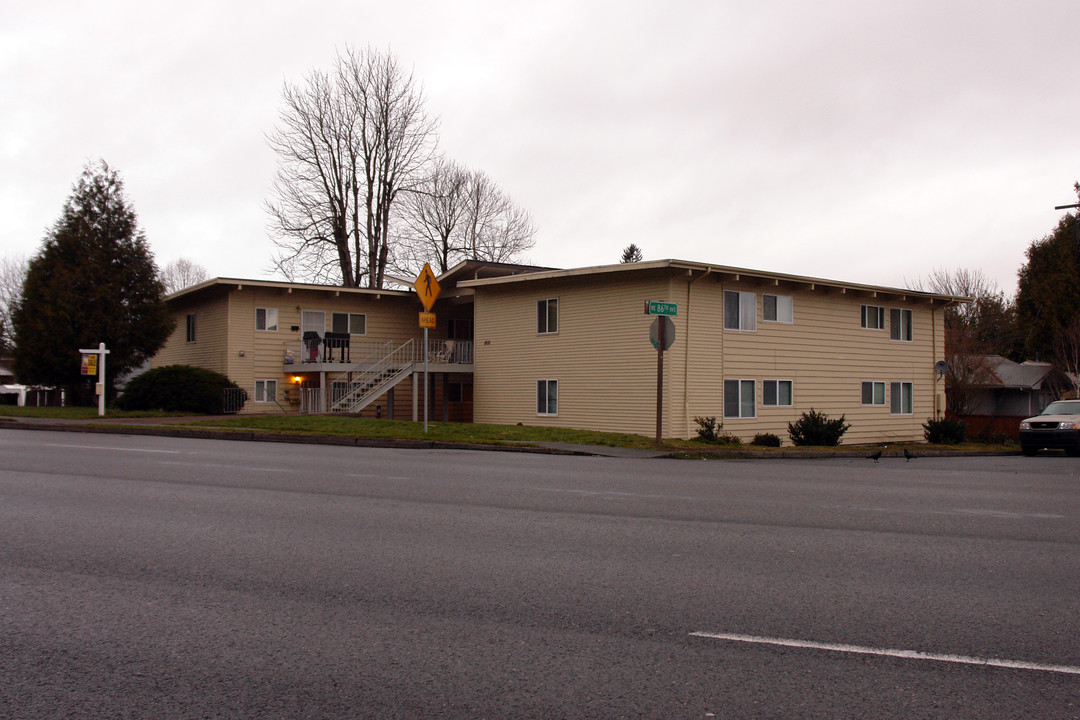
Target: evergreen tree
(1048, 290)
(631, 254)
(94, 280)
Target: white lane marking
(113, 449)
(906, 654)
(1004, 514)
(609, 493)
(373, 476)
(229, 466)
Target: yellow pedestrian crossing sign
(427, 287)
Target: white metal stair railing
(364, 382)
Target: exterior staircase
(358, 387)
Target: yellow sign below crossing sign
(427, 287)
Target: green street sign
(654, 307)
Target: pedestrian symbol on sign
(427, 287)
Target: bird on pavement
(874, 456)
(909, 456)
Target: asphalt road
(146, 577)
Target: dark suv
(1057, 428)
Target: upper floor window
(352, 323)
(190, 328)
(900, 324)
(547, 316)
(266, 319)
(740, 310)
(777, 308)
(873, 317)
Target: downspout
(938, 412)
(686, 364)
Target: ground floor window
(776, 393)
(265, 391)
(873, 393)
(740, 399)
(547, 397)
(903, 398)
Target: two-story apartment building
(571, 348)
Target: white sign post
(100, 352)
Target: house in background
(1013, 391)
(570, 348)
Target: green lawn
(448, 432)
(463, 432)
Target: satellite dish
(941, 367)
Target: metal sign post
(428, 289)
(661, 335)
(91, 357)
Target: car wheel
(1028, 450)
(1074, 451)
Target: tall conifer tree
(94, 280)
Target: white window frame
(874, 385)
(745, 311)
(879, 317)
(349, 322)
(776, 393)
(543, 407)
(743, 386)
(900, 320)
(901, 403)
(544, 318)
(783, 309)
(189, 328)
(261, 391)
(269, 319)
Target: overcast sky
(851, 140)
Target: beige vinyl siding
(387, 318)
(827, 355)
(601, 355)
(210, 349)
(607, 369)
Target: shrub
(177, 388)
(711, 432)
(766, 440)
(815, 428)
(949, 431)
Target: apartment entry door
(312, 327)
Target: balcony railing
(340, 350)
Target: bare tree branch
(348, 143)
(180, 274)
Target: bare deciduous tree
(182, 273)
(434, 217)
(496, 229)
(349, 143)
(985, 326)
(12, 274)
(463, 215)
